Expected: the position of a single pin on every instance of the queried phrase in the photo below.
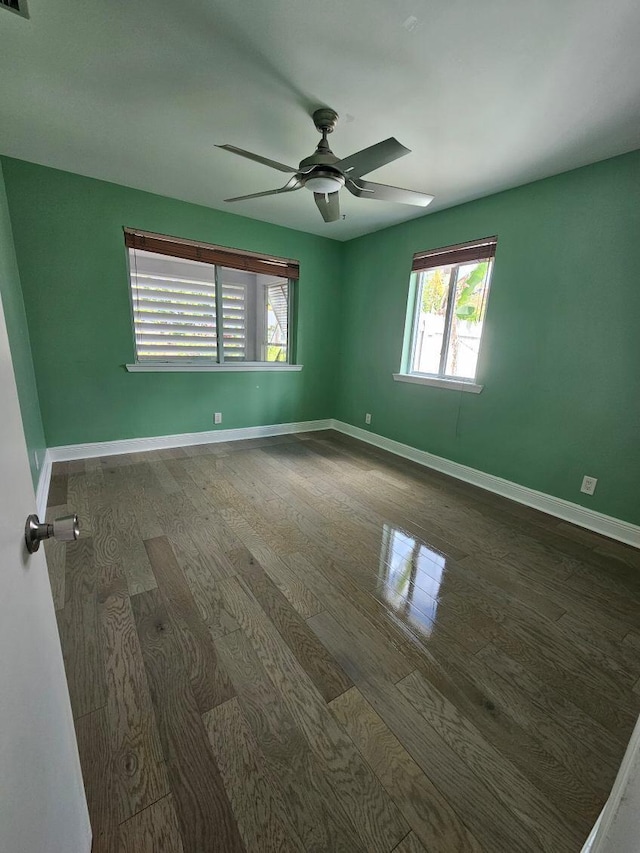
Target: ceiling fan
(325, 174)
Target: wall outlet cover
(588, 485)
(367, 418)
(217, 418)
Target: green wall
(70, 249)
(18, 334)
(561, 354)
(560, 359)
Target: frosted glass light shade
(323, 184)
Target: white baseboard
(185, 439)
(623, 531)
(614, 528)
(42, 491)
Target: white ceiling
(488, 95)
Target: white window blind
(174, 308)
(234, 313)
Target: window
(194, 304)
(448, 301)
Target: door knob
(64, 529)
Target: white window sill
(235, 367)
(439, 382)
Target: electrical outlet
(217, 417)
(367, 418)
(588, 485)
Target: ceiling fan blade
(264, 160)
(365, 161)
(289, 187)
(328, 205)
(382, 192)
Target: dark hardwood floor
(305, 644)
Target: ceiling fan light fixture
(324, 183)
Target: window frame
(218, 257)
(455, 257)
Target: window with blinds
(448, 303)
(174, 308)
(199, 304)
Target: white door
(42, 803)
(618, 827)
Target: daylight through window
(451, 287)
(189, 310)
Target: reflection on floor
(302, 643)
(410, 576)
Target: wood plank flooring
(305, 644)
